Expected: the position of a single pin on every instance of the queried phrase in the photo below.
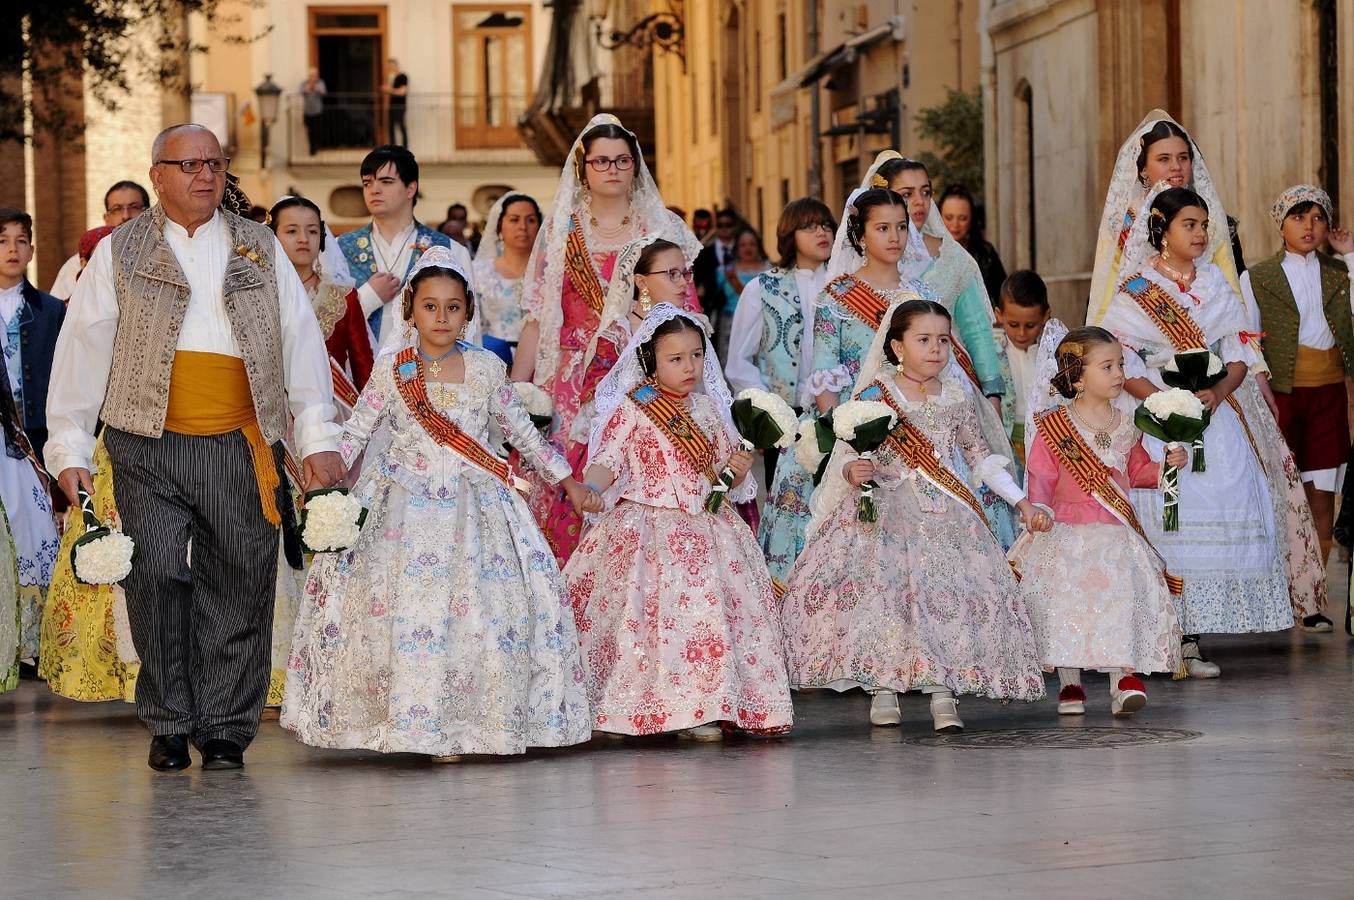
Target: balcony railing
(443, 128)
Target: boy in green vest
(1299, 299)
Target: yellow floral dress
(87, 651)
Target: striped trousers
(203, 629)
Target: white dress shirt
(64, 285)
(11, 298)
(84, 349)
(745, 334)
(1022, 373)
(396, 254)
(1304, 279)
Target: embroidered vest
(1279, 317)
(782, 332)
(152, 296)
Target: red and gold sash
(966, 363)
(409, 380)
(344, 389)
(861, 300)
(1182, 332)
(578, 264)
(674, 420)
(917, 452)
(1070, 449)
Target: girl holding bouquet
(1231, 547)
(923, 599)
(443, 630)
(1097, 592)
(674, 604)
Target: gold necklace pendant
(435, 369)
(1102, 440)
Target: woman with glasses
(606, 199)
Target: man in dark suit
(717, 254)
(30, 321)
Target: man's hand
(386, 286)
(322, 470)
(74, 478)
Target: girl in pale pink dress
(606, 198)
(674, 605)
(1095, 588)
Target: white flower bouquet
(331, 520)
(814, 445)
(1175, 416)
(1194, 371)
(103, 554)
(763, 421)
(864, 425)
(537, 403)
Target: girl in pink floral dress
(606, 198)
(674, 605)
(1095, 588)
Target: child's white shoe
(1196, 664)
(884, 710)
(1127, 695)
(945, 713)
(711, 732)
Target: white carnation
(807, 453)
(105, 560)
(1214, 363)
(780, 412)
(331, 522)
(1174, 401)
(854, 413)
(536, 401)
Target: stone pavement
(1241, 787)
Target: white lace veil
(1125, 194)
(404, 335)
(488, 249)
(1137, 250)
(845, 259)
(628, 372)
(544, 279)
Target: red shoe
(1130, 695)
(1072, 701)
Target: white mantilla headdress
(404, 336)
(846, 259)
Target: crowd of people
(526, 578)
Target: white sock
(1069, 676)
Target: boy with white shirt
(1299, 298)
(1022, 311)
(771, 337)
(382, 253)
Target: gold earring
(1165, 250)
(901, 367)
(645, 302)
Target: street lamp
(268, 94)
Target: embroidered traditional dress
(444, 630)
(1094, 588)
(675, 608)
(10, 613)
(1232, 548)
(923, 598)
(499, 301)
(346, 335)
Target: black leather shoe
(219, 753)
(169, 753)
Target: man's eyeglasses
(193, 166)
(674, 275)
(602, 163)
(134, 208)
(814, 226)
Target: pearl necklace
(1176, 275)
(1101, 434)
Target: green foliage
(104, 38)
(955, 127)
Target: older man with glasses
(195, 347)
(124, 200)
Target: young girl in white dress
(675, 607)
(444, 629)
(1096, 590)
(922, 599)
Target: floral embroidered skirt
(1097, 600)
(918, 599)
(678, 623)
(444, 631)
